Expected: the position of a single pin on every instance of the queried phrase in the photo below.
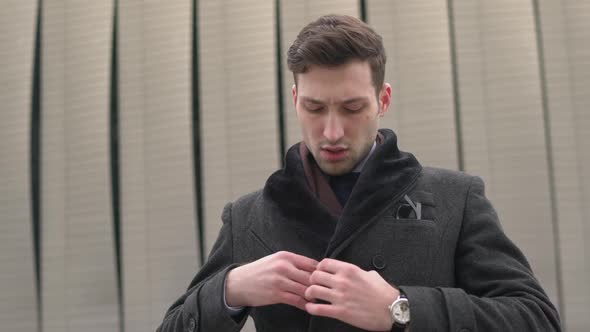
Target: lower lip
(333, 155)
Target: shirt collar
(361, 164)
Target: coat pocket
(263, 245)
(401, 250)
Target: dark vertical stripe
(455, 78)
(115, 175)
(279, 84)
(363, 10)
(196, 110)
(550, 165)
(35, 167)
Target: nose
(333, 128)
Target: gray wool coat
(455, 264)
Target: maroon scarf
(317, 181)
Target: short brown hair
(334, 40)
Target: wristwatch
(400, 313)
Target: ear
(294, 93)
(384, 99)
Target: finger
(300, 276)
(316, 292)
(303, 263)
(322, 278)
(292, 287)
(324, 310)
(293, 300)
(332, 265)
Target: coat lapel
(386, 177)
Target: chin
(335, 170)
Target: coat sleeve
(202, 307)
(495, 287)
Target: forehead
(352, 79)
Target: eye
(314, 108)
(353, 108)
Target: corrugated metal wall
(123, 136)
(18, 289)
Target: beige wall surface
(497, 89)
(159, 233)
(238, 102)
(566, 51)
(18, 302)
(79, 277)
(416, 38)
(79, 274)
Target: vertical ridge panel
(18, 302)
(416, 38)
(160, 246)
(79, 286)
(565, 39)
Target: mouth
(333, 153)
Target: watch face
(401, 312)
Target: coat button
(191, 325)
(379, 262)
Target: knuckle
(283, 254)
(340, 296)
(281, 268)
(281, 283)
(350, 270)
(341, 283)
(276, 282)
(313, 278)
(284, 297)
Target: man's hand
(281, 277)
(355, 296)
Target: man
(354, 234)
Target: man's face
(339, 110)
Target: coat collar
(386, 176)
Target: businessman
(354, 234)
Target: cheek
(311, 128)
(369, 126)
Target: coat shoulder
(247, 200)
(446, 177)
(244, 206)
(450, 188)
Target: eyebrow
(346, 101)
